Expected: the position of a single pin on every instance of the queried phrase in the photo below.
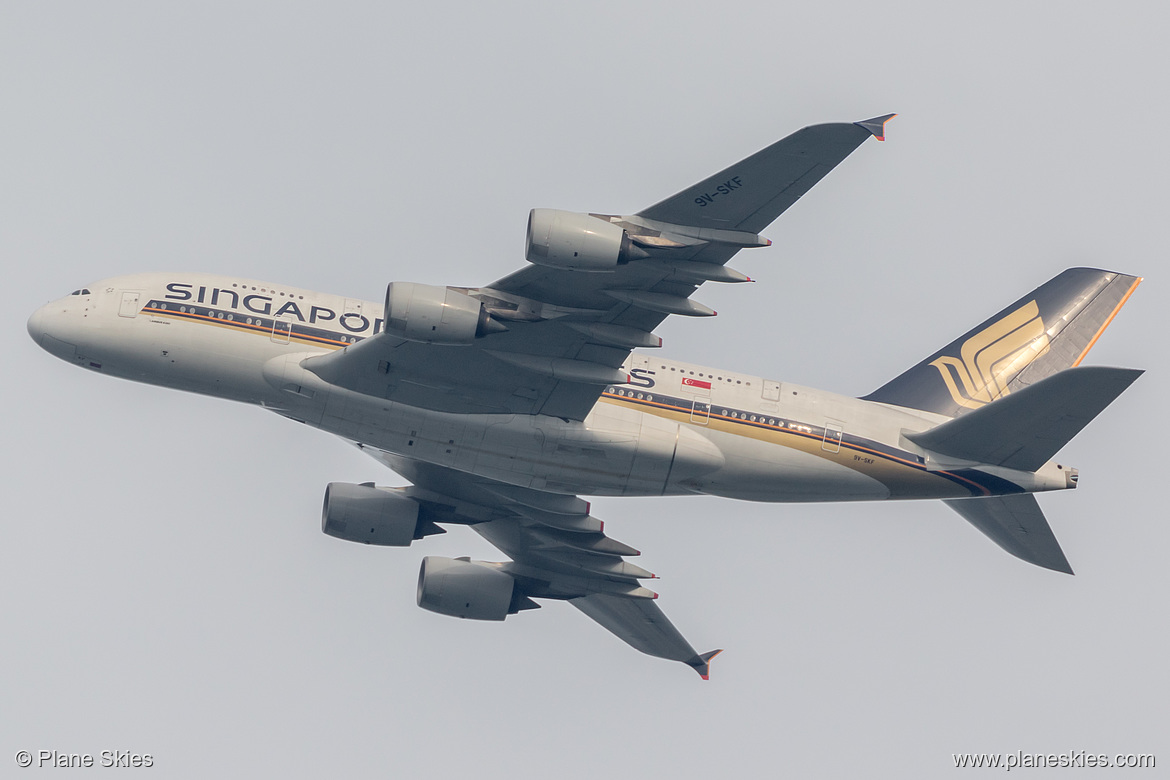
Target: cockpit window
(82, 291)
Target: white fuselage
(676, 428)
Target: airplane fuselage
(675, 428)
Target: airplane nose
(36, 324)
(39, 326)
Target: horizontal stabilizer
(1016, 524)
(1025, 429)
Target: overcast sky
(164, 584)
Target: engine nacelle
(465, 589)
(363, 513)
(577, 242)
(436, 315)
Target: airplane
(503, 405)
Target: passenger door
(129, 305)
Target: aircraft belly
(535, 452)
(615, 452)
(610, 454)
(646, 455)
(762, 471)
(778, 456)
(619, 449)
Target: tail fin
(1048, 330)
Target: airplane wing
(558, 551)
(559, 336)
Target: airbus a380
(503, 404)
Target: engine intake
(370, 515)
(436, 315)
(466, 589)
(577, 242)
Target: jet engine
(364, 513)
(463, 588)
(577, 242)
(436, 315)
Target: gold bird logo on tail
(993, 357)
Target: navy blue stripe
(984, 484)
(258, 324)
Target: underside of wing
(557, 550)
(641, 624)
(549, 338)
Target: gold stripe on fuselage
(901, 476)
(246, 327)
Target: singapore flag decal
(688, 382)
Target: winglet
(702, 664)
(876, 126)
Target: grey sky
(164, 584)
